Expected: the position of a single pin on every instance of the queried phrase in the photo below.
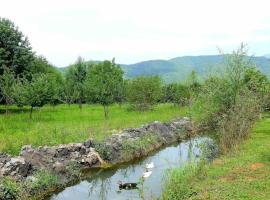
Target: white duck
(149, 165)
(147, 174)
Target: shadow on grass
(14, 110)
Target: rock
(16, 167)
(62, 151)
(26, 149)
(31, 179)
(59, 167)
(88, 143)
(75, 155)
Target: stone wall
(91, 153)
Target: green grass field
(65, 124)
(241, 174)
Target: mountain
(177, 69)
(267, 56)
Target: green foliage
(74, 89)
(6, 86)
(177, 182)
(175, 93)
(37, 92)
(43, 180)
(74, 169)
(65, 124)
(9, 189)
(230, 103)
(104, 150)
(105, 84)
(241, 174)
(15, 50)
(133, 147)
(258, 83)
(144, 92)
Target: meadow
(61, 124)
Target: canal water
(101, 184)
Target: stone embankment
(121, 147)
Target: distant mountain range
(177, 69)
(267, 55)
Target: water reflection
(102, 184)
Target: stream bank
(66, 161)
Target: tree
(15, 51)
(259, 84)
(6, 87)
(144, 92)
(175, 93)
(35, 93)
(75, 79)
(104, 84)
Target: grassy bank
(64, 124)
(243, 173)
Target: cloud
(138, 30)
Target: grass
(243, 173)
(40, 182)
(65, 124)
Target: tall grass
(66, 124)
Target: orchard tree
(35, 93)
(75, 79)
(105, 84)
(144, 92)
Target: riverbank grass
(68, 124)
(243, 173)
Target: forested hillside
(178, 69)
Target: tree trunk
(80, 104)
(106, 111)
(31, 111)
(6, 109)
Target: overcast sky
(138, 30)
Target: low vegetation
(65, 124)
(229, 104)
(242, 173)
(39, 182)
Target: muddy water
(102, 184)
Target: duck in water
(127, 186)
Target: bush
(230, 104)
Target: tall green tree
(105, 84)
(144, 92)
(75, 79)
(15, 50)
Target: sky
(138, 30)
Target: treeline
(30, 80)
